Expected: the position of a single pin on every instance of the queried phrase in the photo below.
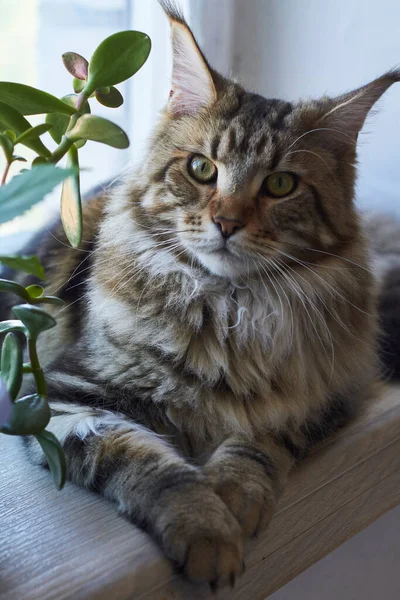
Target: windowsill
(73, 544)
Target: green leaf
(7, 146)
(78, 85)
(28, 264)
(113, 99)
(49, 300)
(28, 188)
(33, 133)
(97, 129)
(5, 403)
(30, 101)
(12, 364)
(12, 287)
(12, 119)
(12, 325)
(116, 59)
(19, 158)
(61, 122)
(55, 457)
(35, 291)
(71, 205)
(34, 318)
(75, 64)
(29, 415)
(37, 162)
(11, 135)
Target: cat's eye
(278, 185)
(202, 169)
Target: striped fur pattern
(191, 369)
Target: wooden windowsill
(73, 544)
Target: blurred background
(280, 48)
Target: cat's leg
(250, 472)
(249, 475)
(153, 485)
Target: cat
(221, 316)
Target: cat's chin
(223, 264)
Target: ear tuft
(192, 83)
(348, 112)
(173, 11)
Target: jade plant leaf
(71, 204)
(12, 325)
(55, 456)
(28, 264)
(9, 133)
(113, 99)
(33, 133)
(117, 58)
(97, 129)
(10, 118)
(12, 287)
(7, 146)
(78, 85)
(49, 300)
(5, 403)
(35, 291)
(75, 64)
(34, 318)
(29, 415)
(30, 101)
(28, 188)
(12, 364)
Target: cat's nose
(226, 226)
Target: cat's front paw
(203, 538)
(250, 500)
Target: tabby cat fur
(215, 331)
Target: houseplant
(71, 124)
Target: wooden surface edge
(80, 548)
(293, 543)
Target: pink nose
(226, 226)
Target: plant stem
(82, 99)
(66, 143)
(36, 368)
(61, 149)
(6, 170)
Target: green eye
(278, 185)
(202, 169)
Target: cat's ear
(192, 86)
(348, 112)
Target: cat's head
(236, 180)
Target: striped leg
(249, 476)
(153, 486)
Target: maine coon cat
(223, 318)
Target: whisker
(323, 281)
(322, 129)
(314, 154)
(302, 295)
